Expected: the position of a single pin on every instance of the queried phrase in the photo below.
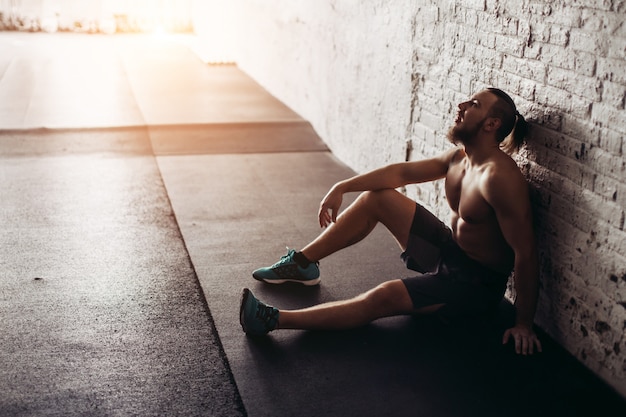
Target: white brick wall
(379, 80)
(565, 65)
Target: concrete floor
(141, 188)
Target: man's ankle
(301, 260)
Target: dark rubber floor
(140, 189)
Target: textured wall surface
(563, 62)
(380, 82)
(344, 65)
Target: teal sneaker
(256, 317)
(288, 270)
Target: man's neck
(480, 150)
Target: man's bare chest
(463, 191)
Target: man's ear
(492, 124)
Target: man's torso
(474, 224)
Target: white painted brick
(573, 83)
(559, 36)
(607, 164)
(557, 57)
(581, 40)
(539, 32)
(612, 141)
(614, 94)
(605, 210)
(617, 241)
(540, 8)
(585, 63)
(611, 189)
(581, 129)
(474, 4)
(531, 69)
(609, 116)
(579, 106)
(575, 216)
(532, 51)
(562, 14)
(510, 45)
(617, 48)
(611, 69)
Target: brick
(470, 18)
(530, 69)
(561, 143)
(600, 208)
(552, 98)
(539, 116)
(558, 57)
(561, 14)
(591, 20)
(422, 134)
(585, 63)
(579, 106)
(581, 129)
(575, 216)
(540, 8)
(612, 189)
(475, 4)
(526, 91)
(611, 69)
(607, 164)
(581, 40)
(510, 45)
(574, 83)
(609, 116)
(562, 165)
(559, 35)
(617, 241)
(612, 141)
(616, 48)
(614, 94)
(532, 50)
(539, 32)
(431, 120)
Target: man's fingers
(527, 348)
(507, 335)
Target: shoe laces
(285, 258)
(268, 315)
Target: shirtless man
(463, 269)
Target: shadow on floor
(454, 370)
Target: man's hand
(329, 207)
(524, 337)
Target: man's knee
(389, 298)
(376, 198)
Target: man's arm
(388, 177)
(507, 193)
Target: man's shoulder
(453, 155)
(501, 171)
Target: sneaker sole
(244, 297)
(308, 282)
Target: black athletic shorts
(447, 275)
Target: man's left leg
(387, 299)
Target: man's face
(471, 117)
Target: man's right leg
(388, 207)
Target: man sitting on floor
(463, 268)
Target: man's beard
(464, 134)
